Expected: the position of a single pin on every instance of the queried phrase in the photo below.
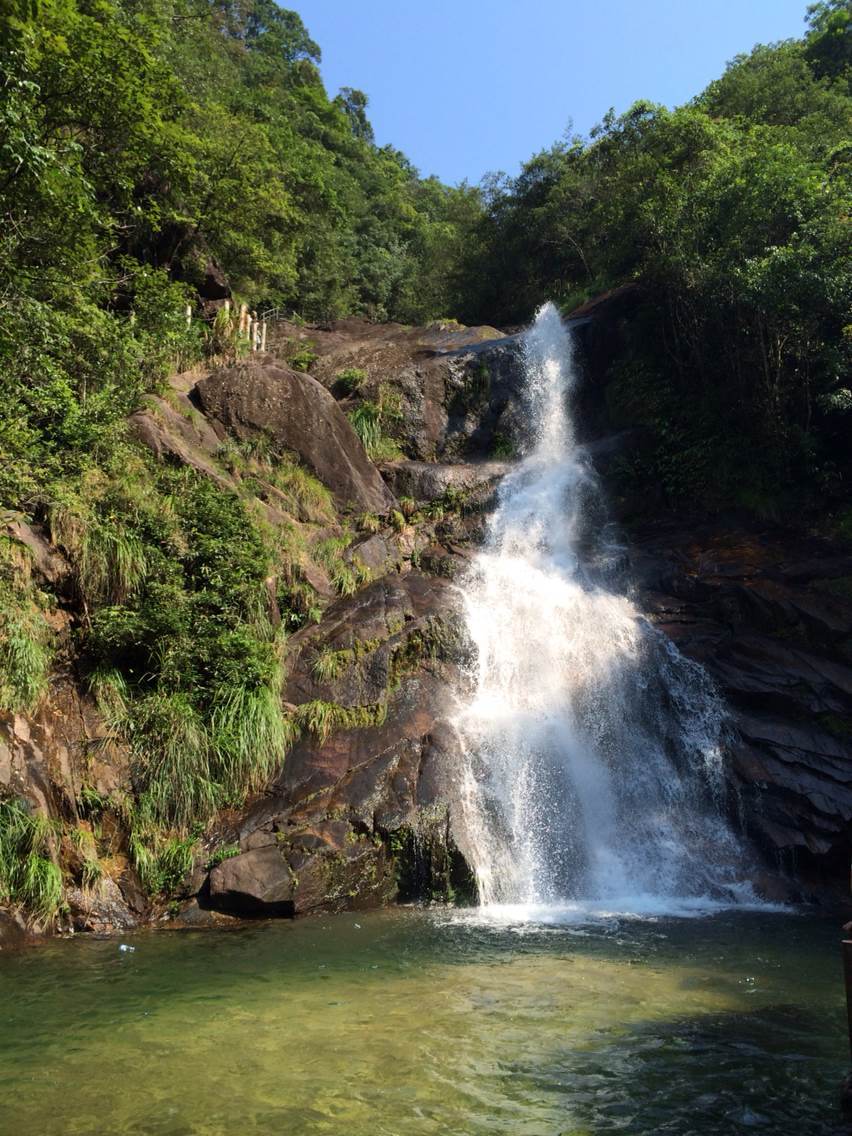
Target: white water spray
(592, 747)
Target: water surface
(412, 1022)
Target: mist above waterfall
(593, 749)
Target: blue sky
(469, 86)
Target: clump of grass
(108, 559)
(309, 498)
(350, 381)
(162, 860)
(25, 654)
(224, 852)
(175, 861)
(321, 719)
(172, 751)
(26, 640)
(369, 523)
(347, 576)
(371, 421)
(330, 665)
(366, 421)
(85, 845)
(250, 736)
(29, 876)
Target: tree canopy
(731, 214)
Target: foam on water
(593, 774)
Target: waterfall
(592, 748)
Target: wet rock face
(770, 617)
(101, 909)
(263, 398)
(384, 664)
(466, 404)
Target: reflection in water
(416, 1022)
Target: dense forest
(149, 146)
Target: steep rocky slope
(360, 810)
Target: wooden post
(255, 331)
(263, 336)
(249, 329)
(189, 315)
(243, 320)
(227, 307)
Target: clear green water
(411, 1022)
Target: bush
(350, 381)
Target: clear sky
(465, 87)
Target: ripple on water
(419, 1022)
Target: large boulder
(263, 398)
(258, 882)
(176, 431)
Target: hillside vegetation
(149, 147)
(731, 214)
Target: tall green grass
(173, 750)
(347, 576)
(308, 498)
(26, 640)
(29, 875)
(250, 736)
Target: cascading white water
(592, 747)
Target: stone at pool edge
(292, 875)
(255, 883)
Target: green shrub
(303, 357)
(350, 381)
